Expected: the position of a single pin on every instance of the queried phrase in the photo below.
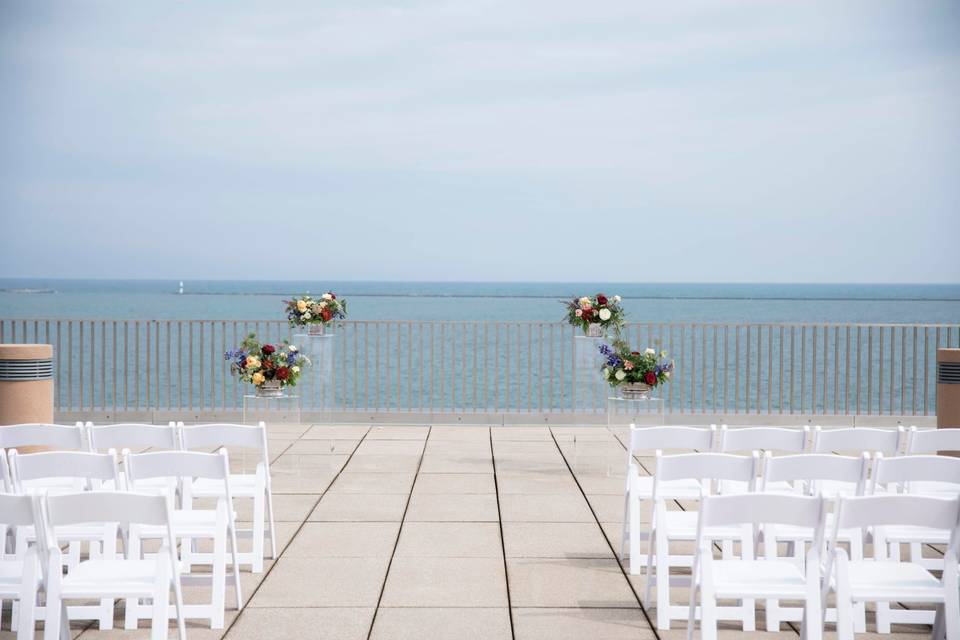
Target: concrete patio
(445, 532)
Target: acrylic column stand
(316, 381)
(271, 409)
(622, 412)
(588, 383)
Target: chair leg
(811, 627)
(844, 614)
(708, 615)
(951, 609)
(883, 608)
(218, 599)
(633, 513)
(663, 582)
(28, 600)
(132, 605)
(273, 528)
(625, 529)
(161, 597)
(256, 555)
(109, 553)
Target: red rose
(634, 353)
(601, 299)
(282, 373)
(651, 378)
(326, 314)
(267, 349)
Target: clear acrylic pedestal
(589, 383)
(316, 381)
(271, 409)
(621, 412)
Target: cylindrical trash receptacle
(948, 391)
(26, 383)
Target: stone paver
(445, 532)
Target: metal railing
(499, 367)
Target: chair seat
(901, 581)
(93, 578)
(774, 578)
(911, 533)
(682, 525)
(934, 489)
(836, 488)
(69, 533)
(195, 523)
(793, 532)
(242, 485)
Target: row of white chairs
(104, 577)
(809, 474)
(756, 517)
(255, 485)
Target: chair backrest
(906, 469)
(857, 440)
(89, 469)
(106, 506)
(811, 468)
(671, 437)
(176, 464)
(57, 436)
(932, 440)
(705, 467)
(762, 508)
(129, 436)
(793, 440)
(231, 436)
(15, 511)
(897, 509)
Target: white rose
(617, 298)
(650, 352)
(306, 316)
(666, 374)
(604, 314)
(293, 349)
(295, 369)
(327, 296)
(606, 373)
(620, 374)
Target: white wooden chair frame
(639, 485)
(884, 579)
(109, 578)
(182, 468)
(709, 469)
(255, 486)
(20, 577)
(773, 578)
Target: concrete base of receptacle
(26, 401)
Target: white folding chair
(902, 475)
(745, 578)
(238, 439)
(885, 580)
(53, 436)
(57, 472)
(806, 474)
(20, 577)
(674, 526)
(129, 577)
(182, 468)
(765, 439)
(639, 486)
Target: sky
(702, 141)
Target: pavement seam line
(503, 547)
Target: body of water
(262, 300)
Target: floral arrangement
(623, 366)
(257, 363)
(598, 310)
(306, 310)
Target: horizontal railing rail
(497, 367)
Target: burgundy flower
(267, 349)
(601, 299)
(282, 373)
(333, 296)
(326, 314)
(651, 378)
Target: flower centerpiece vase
(315, 329)
(270, 389)
(635, 390)
(594, 330)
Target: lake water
(262, 300)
